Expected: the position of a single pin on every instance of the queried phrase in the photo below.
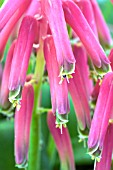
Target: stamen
(66, 72)
(61, 128)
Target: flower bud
(63, 143)
(22, 126)
(102, 114)
(21, 56)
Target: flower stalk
(34, 161)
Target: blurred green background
(82, 159)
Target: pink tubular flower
(54, 13)
(102, 114)
(77, 21)
(80, 103)
(4, 91)
(106, 158)
(82, 66)
(22, 126)
(87, 10)
(102, 27)
(59, 92)
(63, 143)
(22, 52)
(80, 88)
(9, 15)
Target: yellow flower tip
(18, 107)
(80, 140)
(60, 126)
(57, 125)
(16, 103)
(93, 157)
(100, 82)
(66, 76)
(64, 125)
(110, 121)
(98, 159)
(79, 44)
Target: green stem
(35, 133)
(64, 166)
(41, 110)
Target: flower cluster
(63, 38)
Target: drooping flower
(106, 157)
(44, 24)
(63, 143)
(77, 21)
(59, 92)
(21, 55)
(78, 88)
(86, 8)
(22, 126)
(4, 91)
(54, 13)
(82, 66)
(102, 114)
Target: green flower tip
(95, 153)
(103, 70)
(24, 164)
(61, 120)
(15, 97)
(66, 72)
(83, 134)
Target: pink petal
(59, 92)
(4, 91)
(63, 142)
(22, 52)
(87, 10)
(105, 162)
(34, 8)
(55, 16)
(102, 114)
(22, 125)
(80, 101)
(82, 66)
(77, 21)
